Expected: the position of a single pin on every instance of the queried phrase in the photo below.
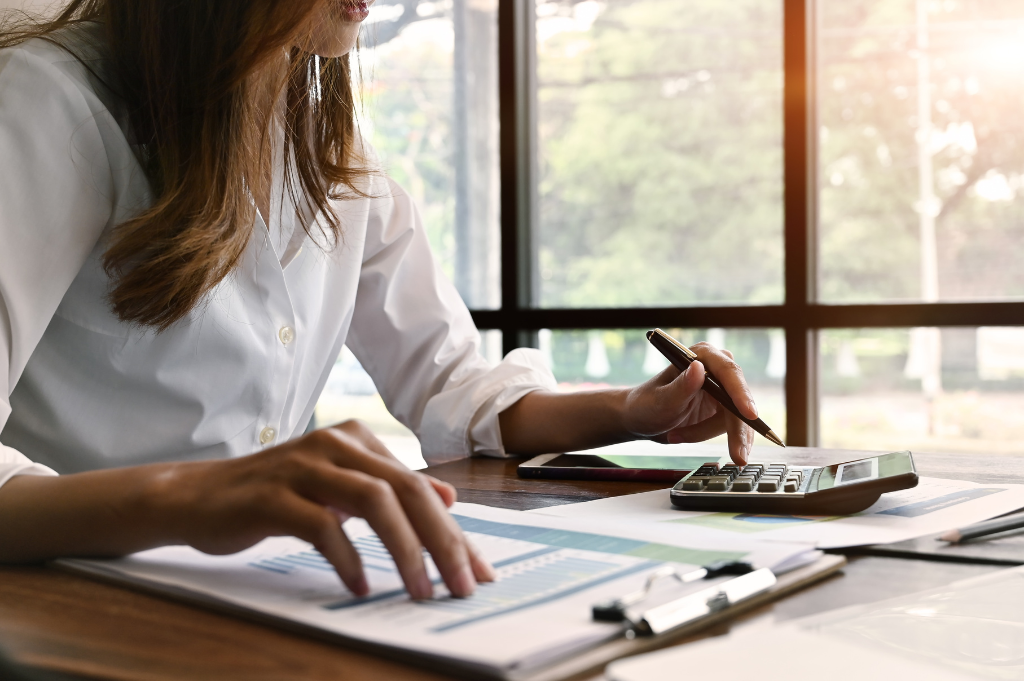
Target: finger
(729, 376)
(482, 569)
(713, 426)
(684, 387)
(365, 435)
(424, 509)
(440, 534)
(319, 526)
(362, 495)
(741, 436)
(447, 492)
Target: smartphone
(612, 467)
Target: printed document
(932, 507)
(550, 573)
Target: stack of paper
(932, 507)
(550, 573)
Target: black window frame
(801, 316)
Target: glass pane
(952, 389)
(660, 152)
(351, 395)
(593, 359)
(430, 96)
(921, 169)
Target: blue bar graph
(370, 548)
(563, 576)
(560, 563)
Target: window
(835, 187)
(659, 153)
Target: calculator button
(718, 483)
(767, 485)
(752, 470)
(791, 486)
(743, 484)
(693, 484)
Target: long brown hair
(191, 74)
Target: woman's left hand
(672, 408)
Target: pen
(992, 526)
(681, 357)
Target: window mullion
(800, 222)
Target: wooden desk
(70, 625)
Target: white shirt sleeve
(56, 198)
(415, 337)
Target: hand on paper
(671, 407)
(307, 487)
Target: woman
(190, 228)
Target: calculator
(780, 488)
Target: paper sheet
(971, 629)
(550, 572)
(932, 507)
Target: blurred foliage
(868, 110)
(627, 349)
(660, 133)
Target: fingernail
(465, 583)
(488, 570)
(752, 407)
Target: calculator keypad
(752, 478)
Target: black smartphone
(611, 467)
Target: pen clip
(684, 349)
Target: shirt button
(286, 335)
(267, 435)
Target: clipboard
(592, 662)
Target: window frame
(801, 316)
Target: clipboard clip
(690, 607)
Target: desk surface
(68, 624)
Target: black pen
(681, 357)
(992, 526)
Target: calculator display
(856, 471)
(888, 465)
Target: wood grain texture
(61, 622)
(75, 626)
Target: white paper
(780, 654)
(971, 629)
(932, 507)
(550, 573)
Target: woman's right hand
(306, 488)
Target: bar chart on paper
(538, 565)
(549, 573)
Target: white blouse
(244, 370)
